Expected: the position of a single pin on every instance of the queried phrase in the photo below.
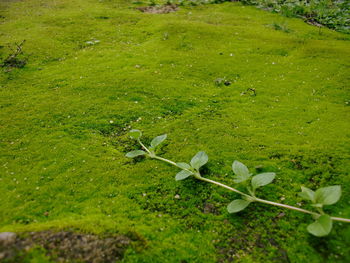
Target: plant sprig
(322, 225)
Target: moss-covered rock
(96, 69)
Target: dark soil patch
(313, 22)
(163, 9)
(210, 208)
(14, 63)
(13, 60)
(64, 246)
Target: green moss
(35, 255)
(65, 115)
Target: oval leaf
(158, 140)
(241, 172)
(321, 227)
(307, 194)
(135, 134)
(262, 179)
(200, 159)
(237, 205)
(184, 166)
(182, 175)
(135, 153)
(328, 195)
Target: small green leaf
(307, 194)
(182, 175)
(135, 134)
(158, 140)
(184, 166)
(237, 205)
(241, 171)
(262, 179)
(328, 195)
(135, 153)
(321, 227)
(200, 159)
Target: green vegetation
(96, 69)
(323, 196)
(329, 13)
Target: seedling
(322, 225)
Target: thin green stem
(226, 187)
(345, 220)
(165, 160)
(144, 147)
(320, 210)
(287, 206)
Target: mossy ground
(65, 117)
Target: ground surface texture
(95, 69)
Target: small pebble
(281, 215)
